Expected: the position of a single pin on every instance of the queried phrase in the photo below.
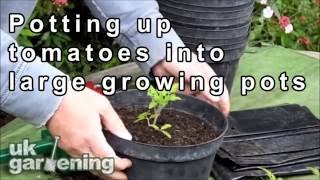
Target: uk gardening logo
(24, 158)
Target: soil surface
(186, 129)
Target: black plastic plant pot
(227, 70)
(212, 14)
(229, 54)
(208, 4)
(207, 46)
(156, 162)
(212, 32)
(216, 19)
(216, 41)
(220, 23)
(226, 22)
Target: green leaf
(152, 104)
(24, 41)
(152, 91)
(315, 171)
(165, 126)
(139, 120)
(173, 97)
(269, 174)
(166, 134)
(158, 98)
(175, 88)
(28, 33)
(155, 127)
(142, 116)
(152, 116)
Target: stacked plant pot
(215, 23)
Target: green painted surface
(273, 61)
(257, 63)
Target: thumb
(114, 124)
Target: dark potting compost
(187, 129)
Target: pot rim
(205, 11)
(208, 46)
(242, 38)
(221, 135)
(208, 30)
(198, 6)
(218, 19)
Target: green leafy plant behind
(304, 15)
(159, 100)
(43, 10)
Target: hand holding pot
(79, 121)
(195, 68)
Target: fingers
(220, 102)
(224, 103)
(100, 148)
(191, 69)
(159, 70)
(114, 124)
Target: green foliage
(315, 171)
(159, 100)
(304, 15)
(270, 175)
(43, 10)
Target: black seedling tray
(265, 135)
(284, 139)
(275, 145)
(300, 161)
(268, 159)
(270, 120)
(221, 172)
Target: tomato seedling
(159, 100)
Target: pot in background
(215, 23)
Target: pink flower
(284, 21)
(285, 24)
(60, 2)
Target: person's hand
(79, 121)
(195, 68)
